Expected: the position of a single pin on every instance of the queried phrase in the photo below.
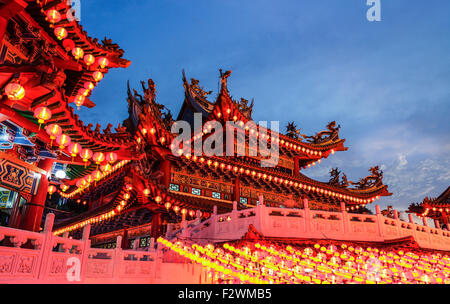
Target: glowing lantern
(60, 33)
(111, 157)
(89, 59)
(83, 92)
(89, 85)
(158, 199)
(42, 114)
(53, 131)
(79, 100)
(147, 192)
(86, 154)
(64, 188)
(176, 208)
(103, 62)
(51, 190)
(96, 175)
(106, 168)
(97, 76)
(63, 141)
(78, 53)
(167, 205)
(191, 213)
(14, 91)
(74, 149)
(53, 16)
(98, 157)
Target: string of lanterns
(279, 180)
(61, 33)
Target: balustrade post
(47, 246)
(380, 221)
(436, 224)
(86, 250)
(118, 258)
(410, 217)
(424, 221)
(345, 218)
(215, 210)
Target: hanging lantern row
(95, 176)
(279, 180)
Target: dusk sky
(308, 61)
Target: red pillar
(33, 210)
(125, 242)
(296, 166)
(165, 169)
(156, 225)
(3, 25)
(14, 220)
(237, 190)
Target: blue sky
(309, 61)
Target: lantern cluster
(266, 262)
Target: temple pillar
(165, 168)
(410, 217)
(296, 166)
(33, 210)
(445, 219)
(156, 225)
(14, 220)
(237, 190)
(125, 242)
(3, 25)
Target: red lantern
(64, 187)
(63, 141)
(79, 100)
(42, 114)
(111, 157)
(74, 149)
(167, 205)
(103, 62)
(97, 76)
(60, 33)
(68, 44)
(106, 168)
(14, 91)
(89, 59)
(89, 85)
(96, 175)
(146, 192)
(53, 16)
(84, 92)
(78, 53)
(176, 209)
(98, 157)
(158, 199)
(51, 190)
(191, 213)
(53, 131)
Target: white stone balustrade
(314, 224)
